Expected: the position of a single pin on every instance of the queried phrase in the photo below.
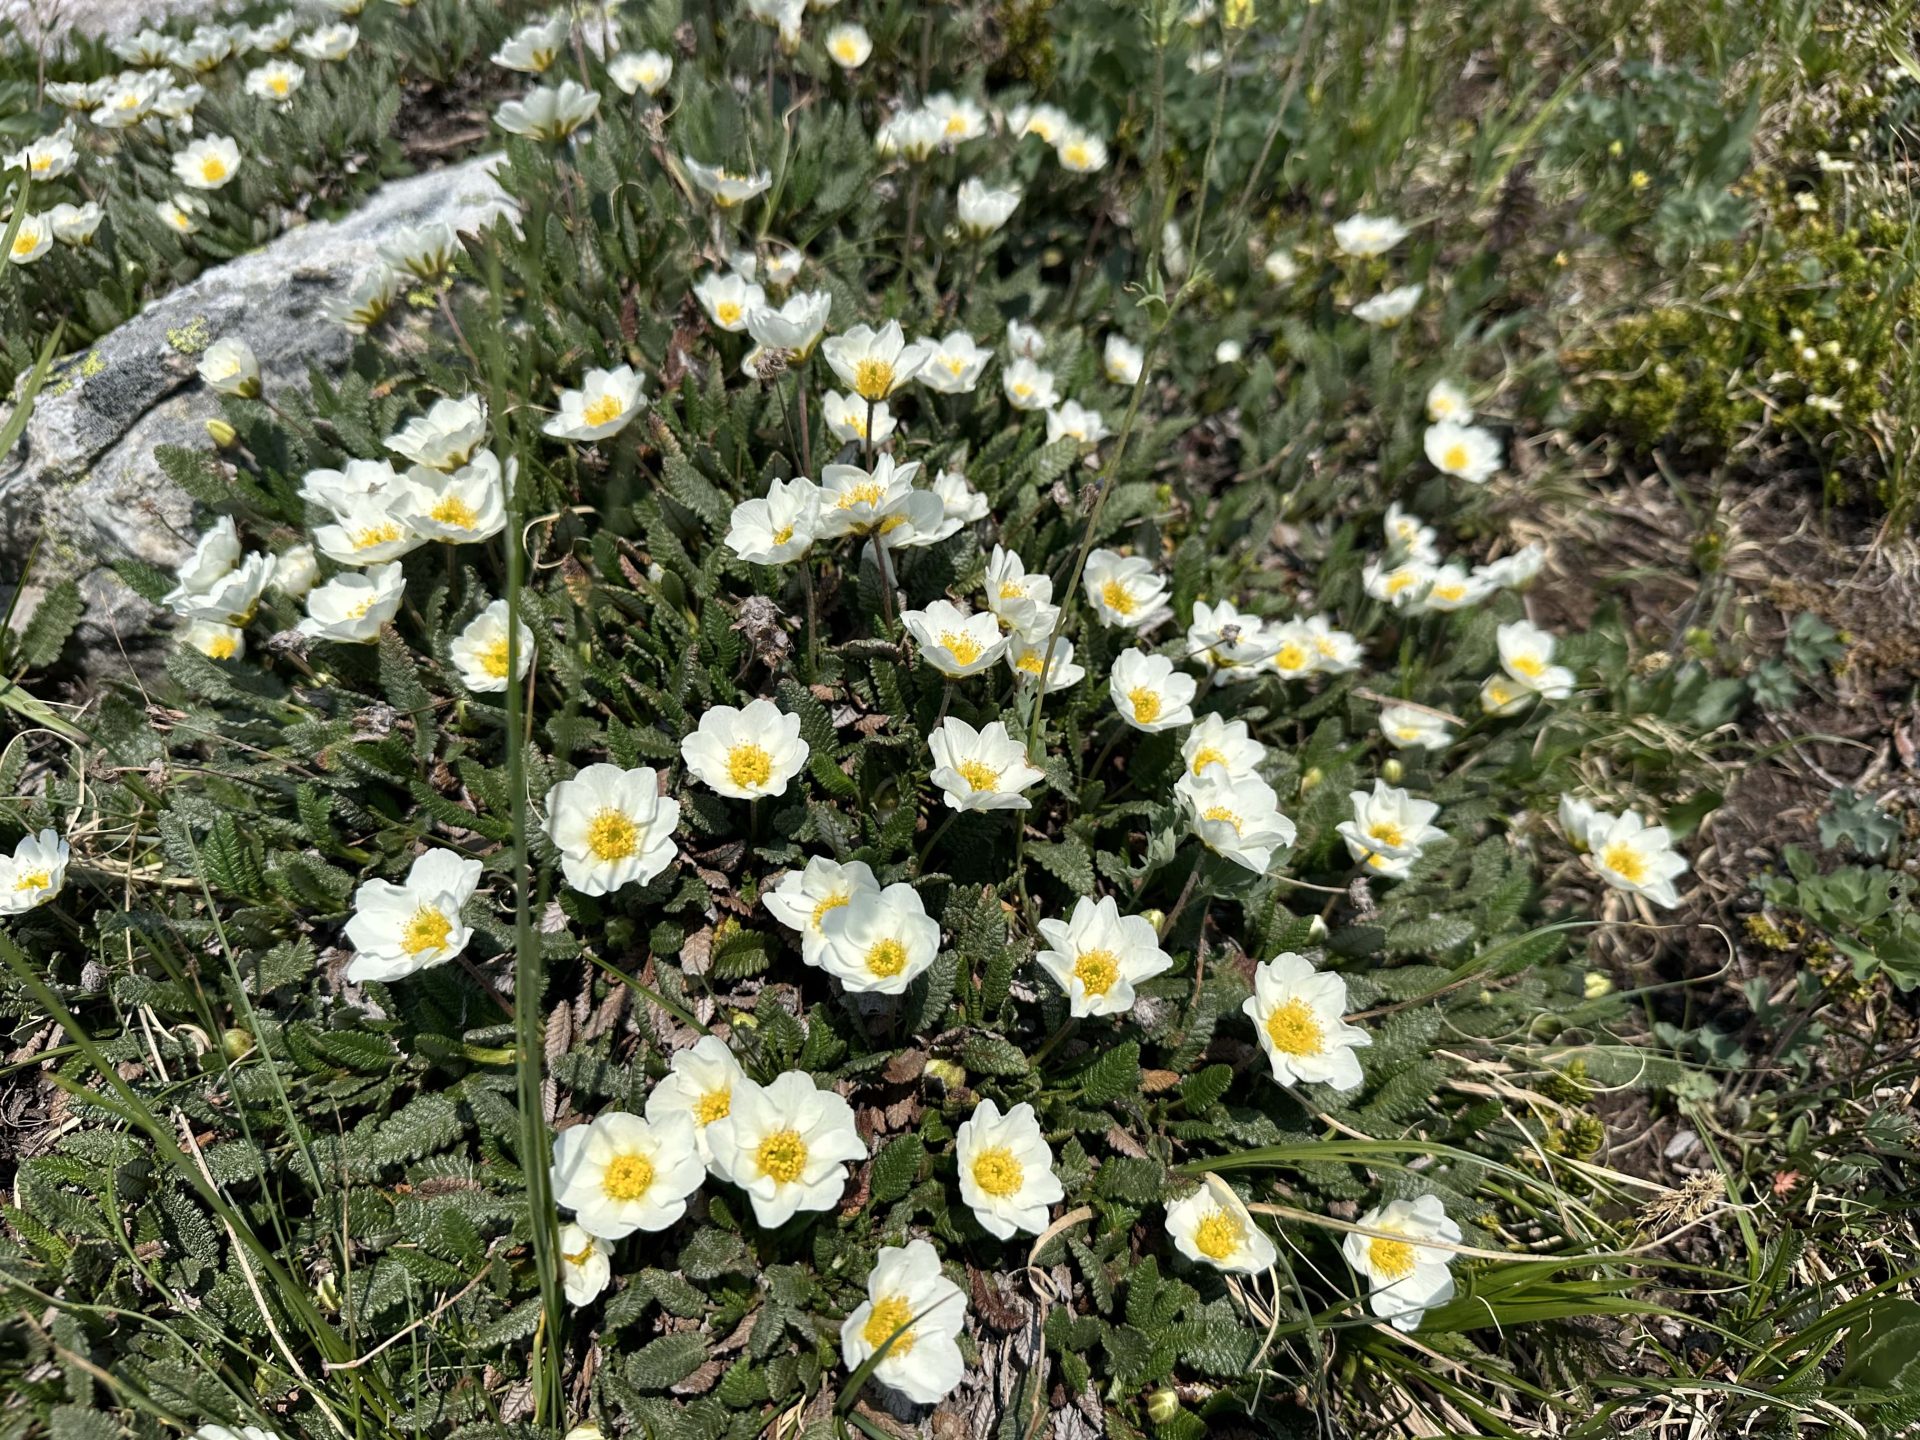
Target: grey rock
(83, 489)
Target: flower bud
(222, 434)
(1393, 772)
(1312, 778)
(1162, 1406)
(235, 1043)
(326, 1292)
(949, 1073)
(1155, 918)
(1597, 985)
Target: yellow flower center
(1117, 598)
(1219, 1236)
(428, 929)
(889, 1315)
(727, 313)
(1077, 155)
(1392, 1258)
(277, 84)
(997, 1172)
(1387, 833)
(358, 610)
(1096, 970)
(1455, 458)
(748, 766)
(612, 835)
(40, 164)
(782, 1156)
(848, 52)
(455, 513)
(956, 365)
(1408, 732)
(783, 535)
(33, 880)
(1030, 662)
(1450, 593)
(601, 410)
(1224, 816)
(1531, 666)
(24, 242)
(956, 124)
(581, 1256)
(979, 775)
(1206, 756)
(712, 1106)
(385, 533)
(1146, 704)
(962, 646)
(493, 657)
(1295, 1030)
(1625, 861)
(1013, 590)
(221, 647)
(629, 1177)
(867, 492)
(1291, 656)
(873, 378)
(1399, 580)
(832, 902)
(213, 169)
(886, 958)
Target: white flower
(534, 48)
(875, 363)
(1081, 151)
(75, 224)
(1125, 591)
(1526, 653)
(1398, 584)
(368, 302)
(781, 527)
(585, 1269)
(955, 643)
(32, 240)
(1097, 955)
(611, 827)
(879, 501)
(230, 598)
(849, 46)
(1294, 654)
(727, 188)
(336, 490)
(1409, 537)
(1220, 748)
(214, 640)
(783, 264)
(699, 1086)
(745, 753)
(804, 898)
(214, 555)
(479, 651)
(983, 209)
(621, 1173)
(1299, 1013)
(275, 81)
(1045, 123)
(1515, 570)
(910, 1303)
(981, 769)
(649, 71)
(1450, 588)
(786, 1145)
(1448, 403)
(148, 49)
(604, 405)
(34, 873)
(400, 930)
(1466, 451)
(728, 299)
(425, 252)
(271, 37)
(207, 164)
(126, 102)
(1407, 1277)
(1072, 420)
(47, 158)
(446, 436)
(1281, 268)
(1631, 855)
(1123, 360)
(295, 572)
(1149, 693)
(1389, 307)
(1335, 651)
(960, 118)
(1365, 236)
(879, 940)
(466, 506)
(229, 366)
(1389, 829)
(182, 213)
(1022, 602)
(1578, 820)
(847, 416)
(1026, 657)
(1228, 352)
(960, 504)
(370, 531)
(549, 112)
(1239, 819)
(1006, 1170)
(954, 364)
(1408, 726)
(1212, 1226)
(794, 327)
(1233, 646)
(1027, 386)
(1025, 341)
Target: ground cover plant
(936, 749)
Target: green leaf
(895, 1169)
(1113, 1074)
(46, 631)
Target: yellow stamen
(454, 513)
(712, 1106)
(782, 1156)
(886, 958)
(748, 766)
(1146, 704)
(979, 775)
(962, 646)
(601, 410)
(493, 658)
(1218, 1236)
(888, 1316)
(428, 929)
(612, 835)
(873, 378)
(1096, 970)
(1392, 1258)
(629, 1177)
(997, 1172)
(1625, 861)
(1295, 1030)
(1117, 598)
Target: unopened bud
(1597, 985)
(949, 1073)
(235, 1043)
(326, 1293)
(222, 434)
(1155, 918)
(1162, 1406)
(1393, 772)
(1312, 778)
